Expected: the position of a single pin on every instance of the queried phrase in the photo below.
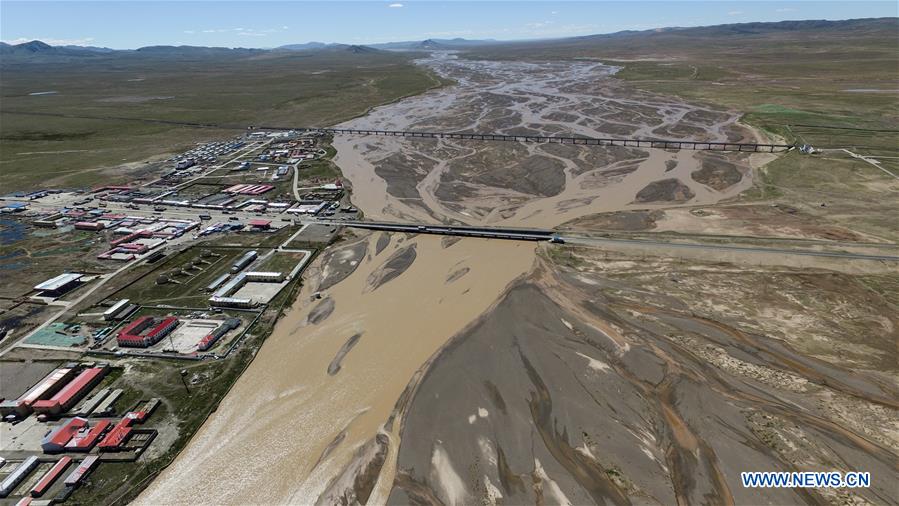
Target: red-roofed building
(55, 441)
(89, 225)
(72, 392)
(260, 224)
(134, 334)
(42, 390)
(86, 438)
(117, 436)
(51, 476)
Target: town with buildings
(214, 239)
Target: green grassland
(186, 286)
(281, 261)
(57, 140)
(42, 254)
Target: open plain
(572, 376)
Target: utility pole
(184, 382)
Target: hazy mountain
(90, 49)
(318, 46)
(669, 42)
(638, 42)
(33, 47)
(457, 43)
(197, 51)
(361, 49)
(304, 47)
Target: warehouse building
(18, 474)
(231, 286)
(116, 438)
(86, 466)
(108, 405)
(265, 277)
(91, 403)
(52, 475)
(119, 310)
(94, 226)
(244, 261)
(86, 437)
(59, 285)
(231, 302)
(43, 389)
(260, 224)
(217, 282)
(72, 392)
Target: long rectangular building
(110, 314)
(45, 388)
(59, 283)
(92, 402)
(18, 474)
(217, 282)
(244, 261)
(108, 403)
(72, 392)
(51, 476)
(74, 479)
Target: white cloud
(554, 12)
(395, 6)
(786, 9)
(53, 42)
(734, 13)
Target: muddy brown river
(319, 415)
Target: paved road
(598, 241)
(870, 161)
(93, 288)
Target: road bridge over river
(535, 234)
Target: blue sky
(133, 24)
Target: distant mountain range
(38, 47)
(40, 52)
(435, 44)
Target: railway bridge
(586, 141)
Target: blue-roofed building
(13, 207)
